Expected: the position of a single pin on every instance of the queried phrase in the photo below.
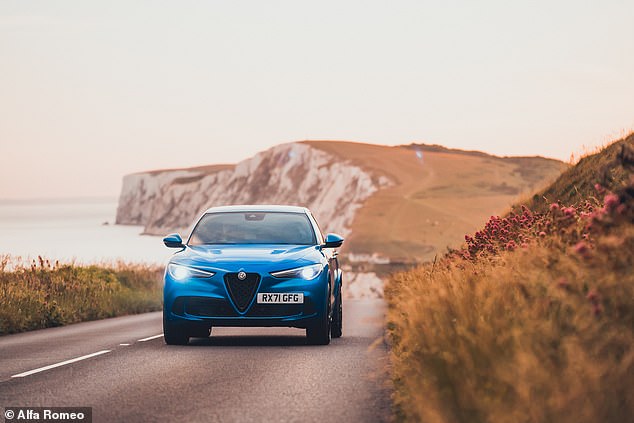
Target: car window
(253, 228)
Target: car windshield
(253, 228)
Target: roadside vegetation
(45, 294)
(532, 320)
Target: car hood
(236, 256)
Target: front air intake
(242, 291)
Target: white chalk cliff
(294, 174)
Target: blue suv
(253, 266)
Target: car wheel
(174, 334)
(336, 327)
(319, 332)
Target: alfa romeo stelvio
(253, 266)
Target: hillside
(398, 204)
(532, 319)
(436, 196)
(607, 168)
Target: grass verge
(532, 320)
(48, 294)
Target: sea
(79, 230)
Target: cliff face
(140, 192)
(294, 173)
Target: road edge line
(149, 338)
(61, 363)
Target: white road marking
(62, 363)
(149, 338)
(124, 345)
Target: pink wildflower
(611, 201)
(593, 296)
(599, 188)
(569, 211)
(583, 249)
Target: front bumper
(209, 302)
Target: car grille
(217, 307)
(242, 292)
(275, 310)
(208, 307)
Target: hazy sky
(90, 91)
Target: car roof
(258, 208)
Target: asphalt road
(236, 375)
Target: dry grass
(47, 294)
(436, 198)
(539, 333)
(577, 183)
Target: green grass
(47, 294)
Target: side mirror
(332, 241)
(173, 241)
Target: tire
(336, 327)
(174, 334)
(319, 332)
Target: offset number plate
(281, 298)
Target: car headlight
(306, 272)
(180, 272)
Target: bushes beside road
(45, 294)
